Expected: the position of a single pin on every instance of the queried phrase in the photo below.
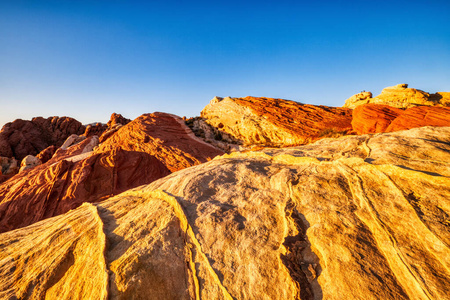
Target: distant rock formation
(117, 119)
(150, 147)
(359, 217)
(106, 130)
(164, 136)
(95, 129)
(46, 154)
(21, 138)
(400, 96)
(376, 118)
(274, 122)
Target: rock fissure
(303, 271)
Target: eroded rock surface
(150, 147)
(274, 122)
(21, 138)
(376, 118)
(166, 137)
(400, 96)
(359, 217)
(104, 131)
(29, 162)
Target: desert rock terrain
(258, 198)
(359, 217)
(150, 147)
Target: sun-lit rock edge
(400, 96)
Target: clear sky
(87, 59)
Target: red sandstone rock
(275, 122)
(96, 129)
(373, 118)
(165, 136)
(377, 118)
(421, 116)
(46, 154)
(150, 147)
(104, 131)
(117, 119)
(21, 138)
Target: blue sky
(87, 59)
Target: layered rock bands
(358, 217)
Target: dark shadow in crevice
(421, 171)
(302, 263)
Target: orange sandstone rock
(46, 154)
(106, 130)
(117, 119)
(275, 122)
(166, 137)
(150, 147)
(421, 116)
(373, 118)
(376, 118)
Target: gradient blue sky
(87, 59)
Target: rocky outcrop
(421, 116)
(166, 137)
(150, 147)
(29, 162)
(117, 119)
(21, 138)
(400, 96)
(46, 154)
(359, 217)
(9, 165)
(104, 131)
(376, 118)
(274, 122)
(95, 129)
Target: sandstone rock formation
(274, 122)
(21, 138)
(95, 129)
(421, 116)
(9, 165)
(46, 154)
(400, 96)
(106, 130)
(150, 147)
(29, 162)
(166, 137)
(359, 217)
(117, 119)
(373, 118)
(376, 118)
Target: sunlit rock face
(21, 138)
(274, 122)
(150, 147)
(400, 96)
(359, 217)
(104, 131)
(376, 118)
